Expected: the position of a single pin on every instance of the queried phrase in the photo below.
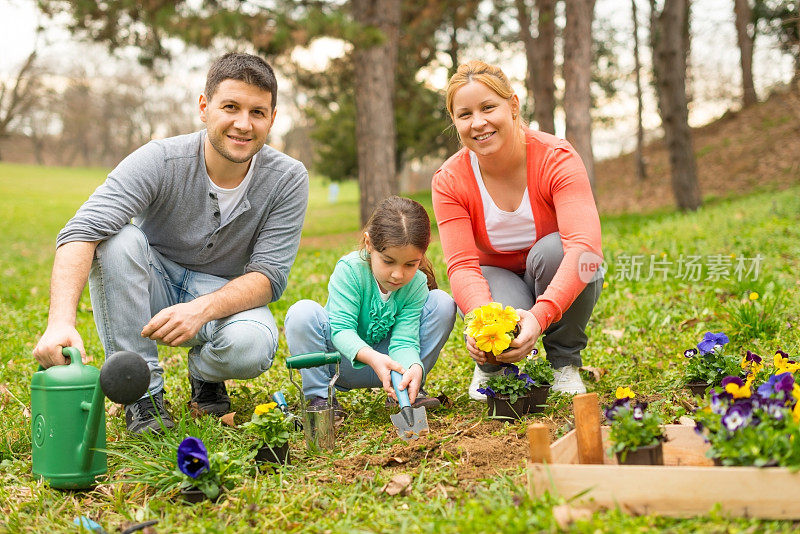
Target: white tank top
(508, 230)
(228, 199)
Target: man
(217, 217)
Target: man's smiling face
(238, 119)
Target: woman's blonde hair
(476, 70)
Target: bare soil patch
(477, 450)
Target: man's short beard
(222, 151)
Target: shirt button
(212, 195)
(216, 214)
(210, 245)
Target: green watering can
(69, 418)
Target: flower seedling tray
(687, 485)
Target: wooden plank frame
(687, 485)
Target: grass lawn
(671, 277)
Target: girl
(518, 225)
(380, 315)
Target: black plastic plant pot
(274, 455)
(536, 400)
(195, 495)
(501, 408)
(649, 455)
(698, 389)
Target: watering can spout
(96, 409)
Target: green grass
(638, 334)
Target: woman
(518, 225)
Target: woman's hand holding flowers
(524, 343)
(508, 334)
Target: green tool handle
(312, 359)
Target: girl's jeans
(308, 330)
(564, 340)
(130, 282)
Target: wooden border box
(687, 485)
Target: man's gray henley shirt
(163, 187)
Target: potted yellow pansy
(273, 429)
(493, 328)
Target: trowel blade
(418, 426)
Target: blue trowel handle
(280, 400)
(402, 394)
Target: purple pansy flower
(192, 457)
(774, 408)
(690, 353)
(737, 416)
(752, 357)
(534, 352)
(511, 369)
(783, 382)
(489, 392)
(719, 402)
(732, 380)
(638, 410)
(783, 354)
(611, 412)
(711, 341)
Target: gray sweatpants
(565, 339)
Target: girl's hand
(475, 353)
(524, 343)
(412, 381)
(382, 364)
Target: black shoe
(321, 403)
(422, 401)
(210, 397)
(148, 415)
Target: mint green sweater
(359, 317)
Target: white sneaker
(568, 380)
(479, 378)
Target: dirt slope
(755, 148)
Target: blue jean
(308, 330)
(563, 340)
(130, 282)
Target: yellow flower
(783, 365)
(475, 323)
(605, 285)
(491, 314)
(493, 338)
(262, 409)
(737, 391)
(624, 393)
(753, 296)
(508, 319)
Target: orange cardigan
(561, 201)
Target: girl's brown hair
(397, 222)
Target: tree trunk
(374, 90)
(540, 56)
(744, 15)
(641, 170)
(577, 77)
(796, 77)
(669, 69)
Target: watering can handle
(312, 359)
(72, 353)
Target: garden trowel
(410, 423)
